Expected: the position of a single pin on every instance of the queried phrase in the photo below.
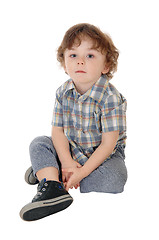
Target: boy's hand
(75, 176)
(66, 175)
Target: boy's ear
(105, 70)
(64, 68)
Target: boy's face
(83, 64)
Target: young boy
(88, 127)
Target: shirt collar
(69, 86)
(96, 91)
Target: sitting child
(86, 148)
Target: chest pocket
(92, 123)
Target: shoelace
(41, 187)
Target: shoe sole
(37, 210)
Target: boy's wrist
(67, 162)
(85, 171)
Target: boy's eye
(73, 55)
(90, 56)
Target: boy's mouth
(80, 71)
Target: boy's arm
(61, 145)
(104, 150)
(106, 147)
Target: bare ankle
(50, 173)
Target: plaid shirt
(85, 117)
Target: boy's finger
(63, 178)
(68, 185)
(67, 170)
(79, 165)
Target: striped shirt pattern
(85, 117)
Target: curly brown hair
(101, 41)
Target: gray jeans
(109, 177)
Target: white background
(30, 32)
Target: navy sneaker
(30, 178)
(51, 198)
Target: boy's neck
(83, 88)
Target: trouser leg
(43, 154)
(109, 177)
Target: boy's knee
(37, 143)
(118, 181)
(117, 176)
(118, 184)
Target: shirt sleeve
(113, 117)
(57, 119)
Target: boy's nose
(80, 61)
